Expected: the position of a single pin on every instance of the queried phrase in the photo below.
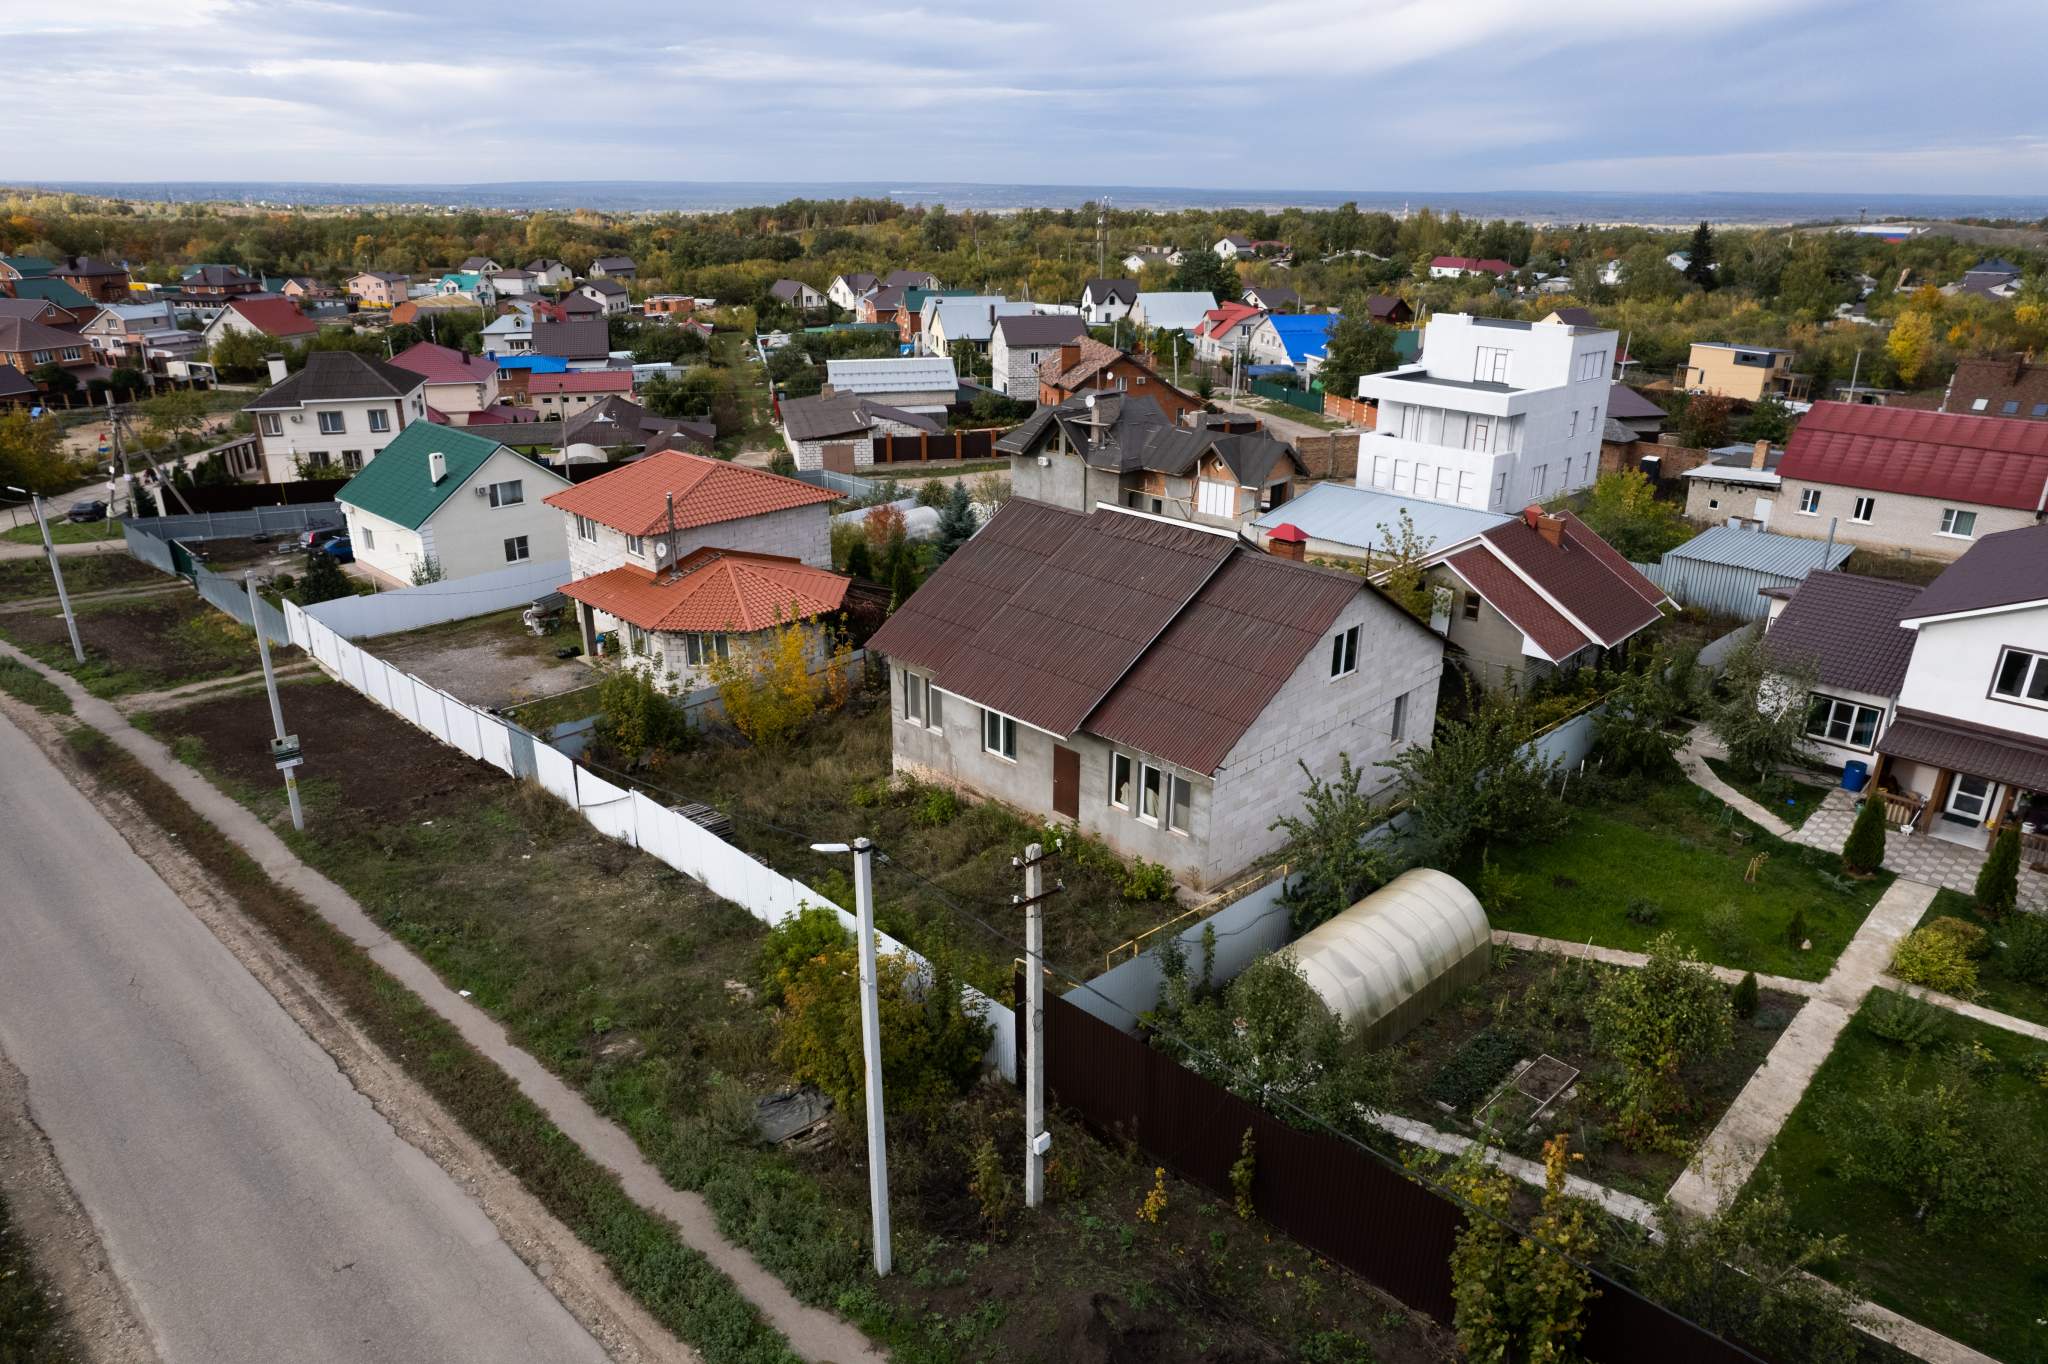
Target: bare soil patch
(487, 661)
(146, 643)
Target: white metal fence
(614, 811)
(388, 613)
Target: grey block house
(1155, 683)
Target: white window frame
(1479, 434)
(1152, 782)
(1863, 509)
(586, 529)
(380, 420)
(1344, 652)
(998, 735)
(635, 546)
(2036, 671)
(1809, 502)
(272, 424)
(340, 420)
(1843, 714)
(501, 497)
(518, 542)
(700, 649)
(1951, 517)
(1179, 791)
(1129, 767)
(369, 538)
(1216, 499)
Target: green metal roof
(395, 485)
(31, 267)
(51, 290)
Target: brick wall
(1332, 456)
(1359, 413)
(1676, 459)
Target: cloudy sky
(1759, 95)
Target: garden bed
(1789, 798)
(1978, 1279)
(138, 644)
(1996, 988)
(1533, 1005)
(1672, 858)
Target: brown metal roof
(1847, 627)
(1582, 574)
(2006, 569)
(1524, 607)
(1960, 746)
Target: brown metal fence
(1325, 1193)
(947, 445)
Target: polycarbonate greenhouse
(1395, 957)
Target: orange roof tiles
(719, 591)
(632, 498)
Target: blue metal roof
(1345, 515)
(1763, 551)
(1302, 333)
(535, 364)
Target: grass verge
(674, 1282)
(24, 683)
(1995, 988)
(136, 644)
(65, 532)
(1789, 798)
(31, 1330)
(29, 579)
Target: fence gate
(182, 562)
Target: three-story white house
(1496, 415)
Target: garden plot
(138, 644)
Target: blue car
(338, 547)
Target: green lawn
(64, 532)
(24, 683)
(1790, 799)
(1983, 1284)
(1995, 989)
(1677, 855)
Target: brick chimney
(1287, 541)
(1070, 355)
(1761, 455)
(1551, 528)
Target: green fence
(1304, 399)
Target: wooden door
(839, 457)
(1066, 782)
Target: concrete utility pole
(56, 571)
(1037, 1141)
(284, 748)
(871, 1043)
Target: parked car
(337, 545)
(320, 535)
(93, 510)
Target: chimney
(276, 363)
(1070, 354)
(1551, 528)
(1761, 455)
(1287, 541)
(437, 467)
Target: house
(574, 306)
(1363, 526)
(1120, 449)
(911, 279)
(117, 330)
(1537, 595)
(377, 288)
(615, 422)
(668, 305)
(1496, 415)
(467, 284)
(1897, 479)
(1172, 722)
(1152, 255)
(512, 283)
(1729, 569)
(336, 413)
(548, 273)
(849, 289)
(479, 265)
(583, 345)
(421, 309)
(837, 431)
(1746, 373)
(880, 305)
(305, 289)
(439, 497)
(1844, 630)
(458, 384)
(926, 384)
(1273, 298)
(1171, 310)
(1232, 245)
(1296, 339)
(796, 294)
(613, 267)
(274, 319)
(51, 314)
(1087, 365)
(1643, 418)
(101, 281)
(14, 269)
(1738, 484)
(1993, 278)
(511, 334)
(1019, 345)
(1226, 331)
(610, 296)
(1105, 300)
(27, 345)
(1998, 386)
(910, 314)
(560, 395)
(218, 281)
(1458, 267)
(1389, 310)
(952, 320)
(49, 289)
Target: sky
(1628, 95)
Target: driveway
(1287, 428)
(252, 1202)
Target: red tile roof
(1489, 265)
(445, 364)
(1563, 596)
(632, 498)
(1985, 461)
(274, 316)
(1221, 319)
(583, 381)
(719, 591)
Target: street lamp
(863, 852)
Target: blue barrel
(1855, 775)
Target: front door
(839, 457)
(1969, 799)
(1066, 782)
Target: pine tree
(858, 564)
(902, 582)
(1699, 268)
(1745, 998)
(324, 580)
(1864, 852)
(1998, 882)
(956, 521)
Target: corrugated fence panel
(410, 608)
(150, 550)
(462, 725)
(494, 743)
(557, 775)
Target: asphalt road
(254, 1204)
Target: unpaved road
(253, 1203)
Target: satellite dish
(1090, 402)
(661, 549)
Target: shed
(1396, 956)
(1726, 568)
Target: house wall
(1064, 481)
(1016, 367)
(385, 546)
(1100, 313)
(301, 434)
(467, 534)
(1710, 502)
(1954, 663)
(460, 400)
(554, 405)
(1835, 755)
(1897, 521)
(1493, 645)
(803, 533)
(1714, 370)
(810, 454)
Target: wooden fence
(947, 445)
(1329, 1195)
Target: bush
(323, 580)
(813, 931)
(932, 492)
(1998, 880)
(1936, 960)
(1744, 1000)
(1476, 783)
(1655, 1021)
(931, 1046)
(1952, 1155)
(1903, 1020)
(1726, 929)
(936, 807)
(1864, 852)
(1334, 865)
(634, 718)
(1643, 911)
(2026, 948)
(992, 1185)
(1500, 892)
(1795, 931)
(1147, 881)
(1971, 938)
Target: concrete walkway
(1701, 745)
(1528, 1171)
(1615, 956)
(1924, 857)
(812, 1333)
(1976, 1012)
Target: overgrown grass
(1981, 1283)
(24, 683)
(1995, 988)
(1676, 856)
(31, 1330)
(1789, 798)
(29, 579)
(64, 532)
(136, 644)
(674, 1282)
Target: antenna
(671, 497)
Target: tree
(902, 581)
(1699, 265)
(1951, 1155)
(1205, 272)
(1334, 864)
(1654, 1022)
(54, 380)
(1636, 732)
(32, 452)
(1645, 274)
(956, 521)
(1761, 719)
(1478, 781)
(1402, 552)
(1520, 1299)
(1998, 880)
(1769, 420)
(239, 354)
(170, 417)
(769, 691)
(634, 718)
(931, 1046)
(1625, 511)
(427, 570)
(323, 580)
(1703, 421)
(1864, 851)
(1356, 346)
(1911, 344)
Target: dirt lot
(277, 554)
(29, 579)
(138, 644)
(487, 661)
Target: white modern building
(442, 501)
(1497, 415)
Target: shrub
(1499, 891)
(2026, 948)
(323, 580)
(1998, 880)
(993, 1187)
(1864, 852)
(1476, 783)
(932, 492)
(1936, 960)
(1643, 911)
(1333, 864)
(634, 718)
(1974, 941)
(770, 692)
(1744, 1000)
(1243, 1171)
(936, 807)
(1941, 1145)
(813, 931)
(1654, 1022)
(1147, 881)
(1516, 1297)
(1903, 1020)
(1725, 929)
(931, 1046)
(1795, 930)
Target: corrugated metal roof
(1984, 461)
(1525, 609)
(1301, 334)
(1344, 515)
(1963, 747)
(1583, 575)
(398, 485)
(2006, 569)
(911, 374)
(1847, 626)
(1784, 556)
(1734, 473)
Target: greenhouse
(1396, 956)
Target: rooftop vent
(437, 467)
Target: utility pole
(56, 571)
(284, 748)
(870, 1043)
(1037, 1141)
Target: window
(352, 460)
(1151, 782)
(1471, 608)
(1842, 722)
(636, 639)
(380, 420)
(635, 545)
(1398, 728)
(1479, 435)
(41, 357)
(273, 425)
(369, 538)
(510, 493)
(1955, 521)
(1713, 503)
(1980, 404)
(1575, 423)
(586, 529)
(2022, 676)
(701, 649)
(2010, 406)
(1864, 507)
(913, 697)
(1216, 499)
(1120, 781)
(1593, 365)
(333, 423)
(1809, 502)
(1500, 488)
(999, 735)
(515, 549)
(2039, 410)
(1180, 799)
(1490, 365)
(1344, 652)
(1380, 471)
